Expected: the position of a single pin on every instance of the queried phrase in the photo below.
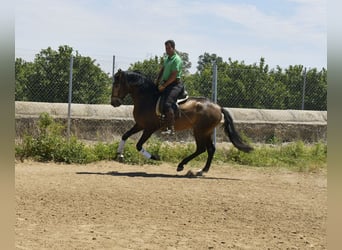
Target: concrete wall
(103, 122)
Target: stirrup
(168, 132)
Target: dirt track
(108, 205)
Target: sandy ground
(108, 205)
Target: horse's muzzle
(116, 102)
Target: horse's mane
(140, 80)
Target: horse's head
(119, 88)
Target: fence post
(113, 70)
(214, 93)
(303, 93)
(70, 95)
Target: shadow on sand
(188, 175)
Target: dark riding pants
(170, 94)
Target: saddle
(183, 97)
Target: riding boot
(170, 121)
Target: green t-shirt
(171, 64)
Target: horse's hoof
(180, 168)
(155, 157)
(190, 174)
(120, 158)
(199, 173)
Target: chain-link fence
(48, 80)
(75, 79)
(298, 88)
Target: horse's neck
(144, 100)
(143, 91)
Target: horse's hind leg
(203, 143)
(211, 151)
(198, 151)
(200, 144)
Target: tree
(46, 79)
(200, 83)
(294, 85)
(255, 86)
(206, 60)
(250, 86)
(22, 69)
(149, 67)
(186, 62)
(316, 90)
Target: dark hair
(171, 42)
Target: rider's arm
(171, 79)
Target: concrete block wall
(103, 122)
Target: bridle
(116, 99)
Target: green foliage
(51, 145)
(176, 151)
(296, 155)
(206, 60)
(255, 86)
(239, 85)
(46, 79)
(149, 67)
(74, 151)
(186, 63)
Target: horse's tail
(233, 134)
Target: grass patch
(51, 145)
(295, 155)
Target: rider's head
(170, 47)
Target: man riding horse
(171, 85)
(198, 113)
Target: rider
(171, 85)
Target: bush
(51, 145)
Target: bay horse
(197, 113)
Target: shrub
(51, 145)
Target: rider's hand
(161, 88)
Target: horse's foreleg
(119, 152)
(145, 136)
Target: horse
(196, 113)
